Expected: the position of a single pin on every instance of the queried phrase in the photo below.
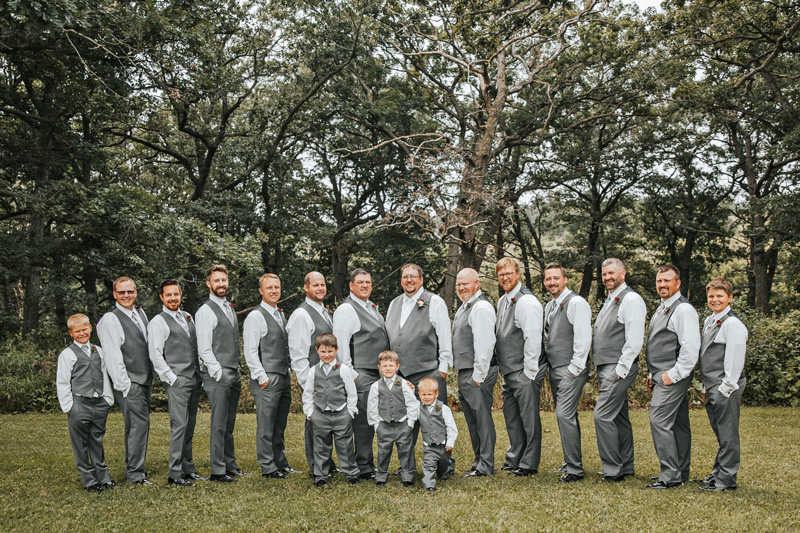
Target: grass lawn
(41, 490)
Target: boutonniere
(231, 304)
(420, 303)
(666, 310)
(617, 300)
(374, 306)
(719, 322)
(397, 382)
(94, 348)
(138, 307)
(513, 301)
(336, 366)
(280, 309)
(469, 304)
(188, 316)
(438, 406)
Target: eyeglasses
(126, 293)
(505, 275)
(409, 277)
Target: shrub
(27, 377)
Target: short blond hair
(388, 355)
(507, 262)
(77, 320)
(120, 280)
(720, 284)
(263, 279)
(428, 384)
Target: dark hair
(357, 272)
(168, 283)
(327, 339)
(215, 268)
(667, 268)
(556, 265)
(411, 265)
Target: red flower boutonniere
(232, 305)
(397, 382)
(280, 309)
(513, 301)
(188, 316)
(374, 306)
(336, 366)
(420, 303)
(616, 300)
(94, 348)
(469, 304)
(438, 406)
(138, 307)
(719, 322)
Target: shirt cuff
(169, 378)
(673, 375)
(726, 389)
(622, 372)
(263, 378)
(530, 373)
(573, 370)
(443, 366)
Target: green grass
(41, 491)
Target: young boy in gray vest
(392, 410)
(330, 402)
(85, 394)
(722, 355)
(439, 433)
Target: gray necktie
(505, 306)
(326, 369)
(182, 322)
(85, 349)
(229, 312)
(552, 313)
(327, 317)
(137, 323)
(279, 320)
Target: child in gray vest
(439, 433)
(392, 410)
(330, 402)
(85, 394)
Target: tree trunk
(33, 281)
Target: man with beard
(172, 342)
(218, 346)
(123, 336)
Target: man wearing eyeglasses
(419, 332)
(123, 335)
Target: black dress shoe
(612, 479)
(661, 485)
(474, 473)
(562, 468)
(223, 478)
(196, 477)
(570, 478)
(654, 478)
(366, 475)
(109, 485)
(408, 483)
(522, 472)
(238, 472)
(320, 483)
(94, 488)
(290, 470)
(143, 481)
(179, 482)
(508, 467)
(708, 480)
(713, 487)
(431, 489)
(277, 474)
(357, 480)
(380, 483)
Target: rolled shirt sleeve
(528, 315)
(349, 377)
(299, 330)
(345, 325)
(412, 404)
(373, 414)
(440, 321)
(157, 335)
(66, 362)
(450, 426)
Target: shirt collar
(566, 292)
(314, 304)
(672, 299)
(170, 312)
(126, 310)
(219, 301)
(270, 308)
(360, 302)
(474, 297)
(618, 290)
(88, 345)
(513, 291)
(721, 313)
(389, 380)
(414, 297)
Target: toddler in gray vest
(439, 433)
(85, 394)
(392, 410)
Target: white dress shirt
(449, 424)
(528, 315)
(685, 323)
(579, 314)
(733, 334)
(205, 322)
(346, 324)
(157, 335)
(411, 402)
(440, 320)
(482, 321)
(66, 362)
(299, 329)
(348, 376)
(112, 337)
(632, 314)
(255, 328)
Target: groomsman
(218, 346)
(361, 333)
(473, 348)
(172, 344)
(419, 332)
(308, 321)
(266, 351)
(519, 356)
(568, 338)
(123, 335)
(617, 341)
(673, 345)
(722, 355)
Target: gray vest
(509, 346)
(370, 340)
(273, 349)
(416, 342)
(559, 336)
(609, 334)
(180, 349)
(225, 337)
(134, 349)
(434, 430)
(87, 374)
(662, 344)
(329, 391)
(463, 340)
(320, 327)
(712, 354)
(391, 403)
